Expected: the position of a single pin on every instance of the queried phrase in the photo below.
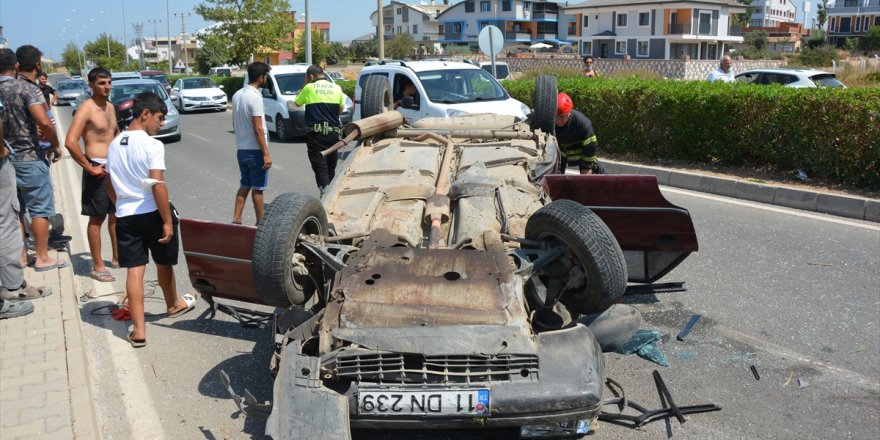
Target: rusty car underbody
(439, 281)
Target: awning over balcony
(558, 42)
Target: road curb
(859, 208)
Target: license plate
(426, 403)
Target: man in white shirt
(145, 223)
(723, 73)
(252, 141)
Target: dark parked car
(158, 75)
(442, 279)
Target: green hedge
(832, 134)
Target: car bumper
(204, 105)
(171, 128)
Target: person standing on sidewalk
(24, 113)
(14, 291)
(252, 141)
(324, 102)
(95, 123)
(146, 224)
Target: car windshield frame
(460, 86)
(197, 83)
(137, 88)
(290, 84)
(64, 86)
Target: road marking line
(790, 211)
(140, 413)
(201, 138)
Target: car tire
(281, 129)
(591, 244)
(544, 117)
(277, 240)
(376, 97)
(173, 139)
(180, 108)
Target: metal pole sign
(491, 41)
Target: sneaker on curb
(24, 293)
(9, 309)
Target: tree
(401, 46)
(851, 44)
(742, 20)
(822, 13)
(250, 26)
(336, 52)
(816, 39)
(319, 49)
(758, 39)
(364, 49)
(72, 58)
(213, 52)
(97, 52)
(872, 38)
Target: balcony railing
(518, 36)
(680, 28)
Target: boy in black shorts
(145, 223)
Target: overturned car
(443, 280)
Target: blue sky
(59, 24)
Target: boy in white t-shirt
(145, 222)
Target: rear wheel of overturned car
(281, 128)
(284, 271)
(595, 275)
(376, 97)
(545, 104)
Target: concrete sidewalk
(45, 384)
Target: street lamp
(183, 16)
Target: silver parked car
(790, 77)
(72, 91)
(123, 91)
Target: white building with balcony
(521, 22)
(419, 20)
(771, 13)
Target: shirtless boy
(95, 123)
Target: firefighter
(577, 140)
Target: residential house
(521, 22)
(656, 29)
(183, 49)
(851, 19)
(416, 20)
(784, 37)
(771, 13)
(274, 57)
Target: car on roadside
(198, 93)
(122, 93)
(443, 281)
(335, 76)
(125, 75)
(797, 78)
(72, 91)
(502, 69)
(443, 89)
(220, 71)
(283, 117)
(157, 75)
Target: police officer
(324, 102)
(577, 140)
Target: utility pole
(124, 35)
(155, 24)
(138, 38)
(183, 16)
(308, 34)
(380, 32)
(168, 21)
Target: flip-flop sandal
(137, 343)
(103, 277)
(190, 300)
(58, 265)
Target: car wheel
(278, 280)
(544, 117)
(180, 106)
(593, 255)
(281, 129)
(376, 97)
(174, 139)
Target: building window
(440, 30)
(705, 23)
(399, 11)
(642, 49)
(858, 25)
(572, 27)
(621, 21)
(399, 30)
(505, 5)
(586, 48)
(644, 19)
(456, 27)
(586, 21)
(485, 7)
(415, 29)
(620, 47)
(469, 6)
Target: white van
(443, 89)
(283, 116)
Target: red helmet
(563, 104)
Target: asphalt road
(794, 294)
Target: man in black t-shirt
(577, 140)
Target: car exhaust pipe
(367, 127)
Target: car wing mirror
(407, 102)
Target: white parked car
(198, 94)
(283, 116)
(443, 89)
(798, 78)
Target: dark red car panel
(218, 256)
(654, 234)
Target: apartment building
(851, 19)
(419, 20)
(771, 13)
(521, 22)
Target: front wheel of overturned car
(595, 275)
(284, 271)
(544, 117)
(376, 96)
